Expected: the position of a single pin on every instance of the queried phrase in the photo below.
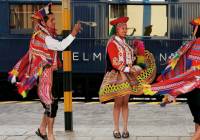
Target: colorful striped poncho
(30, 67)
(181, 75)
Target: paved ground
(93, 121)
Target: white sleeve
(57, 45)
(127, 69)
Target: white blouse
(57, 45)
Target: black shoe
(125, 134)
(117, 134)
(44, 137)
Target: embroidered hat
(195, 21)
(43, 12)
(115, 22)
(119, 20)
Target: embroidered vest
(125, 52)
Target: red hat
(40, 14)
(119, 20)
(195, 21)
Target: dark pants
(51, 110)
(194, 104)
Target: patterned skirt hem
(109, 97)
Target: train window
(20, 17)
(117, 10)
(144, 20)
(180, 12)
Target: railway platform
(93, 121)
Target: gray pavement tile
(3, 137)
(94, 121)
(190, 130)
(168, 138)
(103, 138)
(61, 132)
(159, 130)
(63, 137)
(10, 132)
(30, 132)
(82, 132)
(18, 138)
(147, 138)
(98, 132)
(80, 138)
(17, 130)
(185, 138)
(32, 138)
(112, 138)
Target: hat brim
(119, 20)
(195, 21)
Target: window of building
(20, 17)
(144, 20)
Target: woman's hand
(76, 29)
(136, 69)
(13, 80)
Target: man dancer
(40, 61)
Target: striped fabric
(182, 74)
(32, 64)
(45, 86)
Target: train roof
(31, 1)
(109, 1)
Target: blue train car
(162, 24)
